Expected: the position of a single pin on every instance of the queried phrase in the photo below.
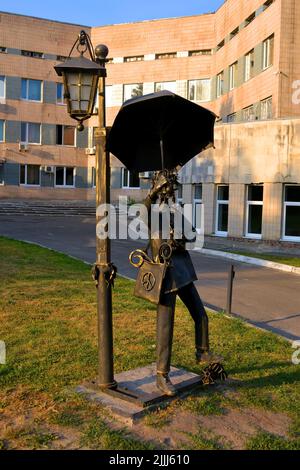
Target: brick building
(241, 62)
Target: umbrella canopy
(160, 131)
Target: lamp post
(82, 78)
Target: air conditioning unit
(23, 147)
(90, 151)
(145, 174)
(48, 169)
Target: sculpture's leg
(164, 339)
(191, 298)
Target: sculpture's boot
(164, 384)
(207, 357)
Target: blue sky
(101, 12)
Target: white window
(65, 176)
(134, 58)
(60, 94)
(254, 210)
(291, 215)
(31, 90)
(132, 90)
(30, 175)
(222, 210)
(2, 130)
(65, 135)
(130, 179)
(3, 50)
(249, 65)
(197, 207)
(266, 108)
(36, 55)
(220, 81)
(248, 113)
(232, 75)
(199, 90)
(2, 86)
(170, 86)
(200, 52)
(30, 133)
(108, 96)
(166, 55)
(268, 52)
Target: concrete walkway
(264, 297)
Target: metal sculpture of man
(178, 280)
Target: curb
(249, 260)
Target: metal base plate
(137, 393)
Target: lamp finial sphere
(80, 127)
(101, 51)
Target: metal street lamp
(82, 77)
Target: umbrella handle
(162, 154)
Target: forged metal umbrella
(160, 131)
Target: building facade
(240, 61)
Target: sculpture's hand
(160, 182)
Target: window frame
(221, 233)
(128, 180)
(248, 108)
(27, 126)
(26, 176)
(2, 182)
(62, 135)
(220, 84)
(265, 101)
(199, 80)
(285, 205)
(27, 90)
(255, 236)
(131, 84)
(268, 61)
(4, 88)
(233, 75)
(167, 81)
(3, 131)
(196, 202)
(64, 185)
(249, 65)
(63, 102)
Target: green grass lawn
(48, 322)
(290, 260)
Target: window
(234, 32)
(220, 82)
(93, 177)
(197, 207)
(254, 210)
(199, 90)
(179, 193)
(222, 210)
(232, 75)
(65, 176)
(135, 58)
(1, 130)
(268, 52)
(232, 117)
(166, 55)
(130, 179)
(267, 4)
(131, 91)
(31, 90)
(3, 49)
(291, 216)
(200, 52)
(37, 55)
(250, 19)
(248, 113)
(220, 45)
(2, 86)
(61, 58)
(60, 99)
(170, 86)
(266, 108)
(30, 175)
(108, 96)
(249, 65)
(65, 135)
(30, 133)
